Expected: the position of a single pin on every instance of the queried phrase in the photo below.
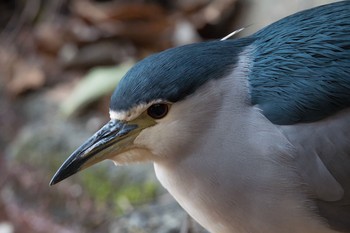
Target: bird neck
(212, 179)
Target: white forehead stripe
(132, 113)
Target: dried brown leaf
(25, 77)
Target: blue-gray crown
(173, 74)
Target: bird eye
(158, 111)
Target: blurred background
(59, 62)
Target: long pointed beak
(111, 139)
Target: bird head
(160, 106)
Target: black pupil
(158, 111)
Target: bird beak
(113, 138)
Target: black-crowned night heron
(249, 135)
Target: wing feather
(323, 157)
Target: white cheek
(164, 139)
(181, 129)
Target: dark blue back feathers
(301, 67)
(176, 73)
